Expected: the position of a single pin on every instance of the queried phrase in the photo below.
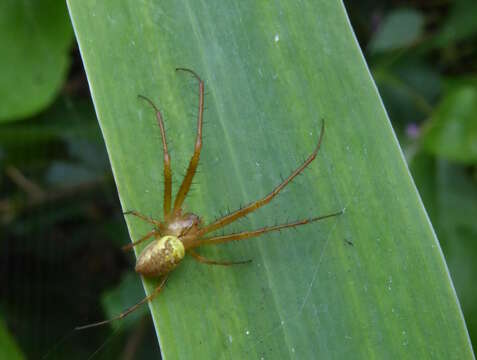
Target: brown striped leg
(248, 234)
(144, 238)
(167, 160)
(156, 291)
(204, 260)
(143, 217)
(259, 203)
(194, 161)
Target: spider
(181, 233)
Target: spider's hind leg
(125, 313)
(204, 260)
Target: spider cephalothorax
(179, 234)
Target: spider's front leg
(167, 159)
(254, 233)
(194, 161)
(230, 218)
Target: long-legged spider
(179, 234)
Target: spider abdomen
(160, 257)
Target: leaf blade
(272, 71)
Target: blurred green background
(61, 221)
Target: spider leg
(229, 218)
(145, 237)
(167, 160)
(248, 234)
(143, 217)
(204, 260)
(194, 161)
(156, 291)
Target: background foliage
(56, 185)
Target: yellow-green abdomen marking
(160, 257)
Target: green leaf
(8, 347)
(36, 38)
(450, 196)
(407, 88)
(371, 283)
(452, 130)
(399, 29)
(460, 24)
